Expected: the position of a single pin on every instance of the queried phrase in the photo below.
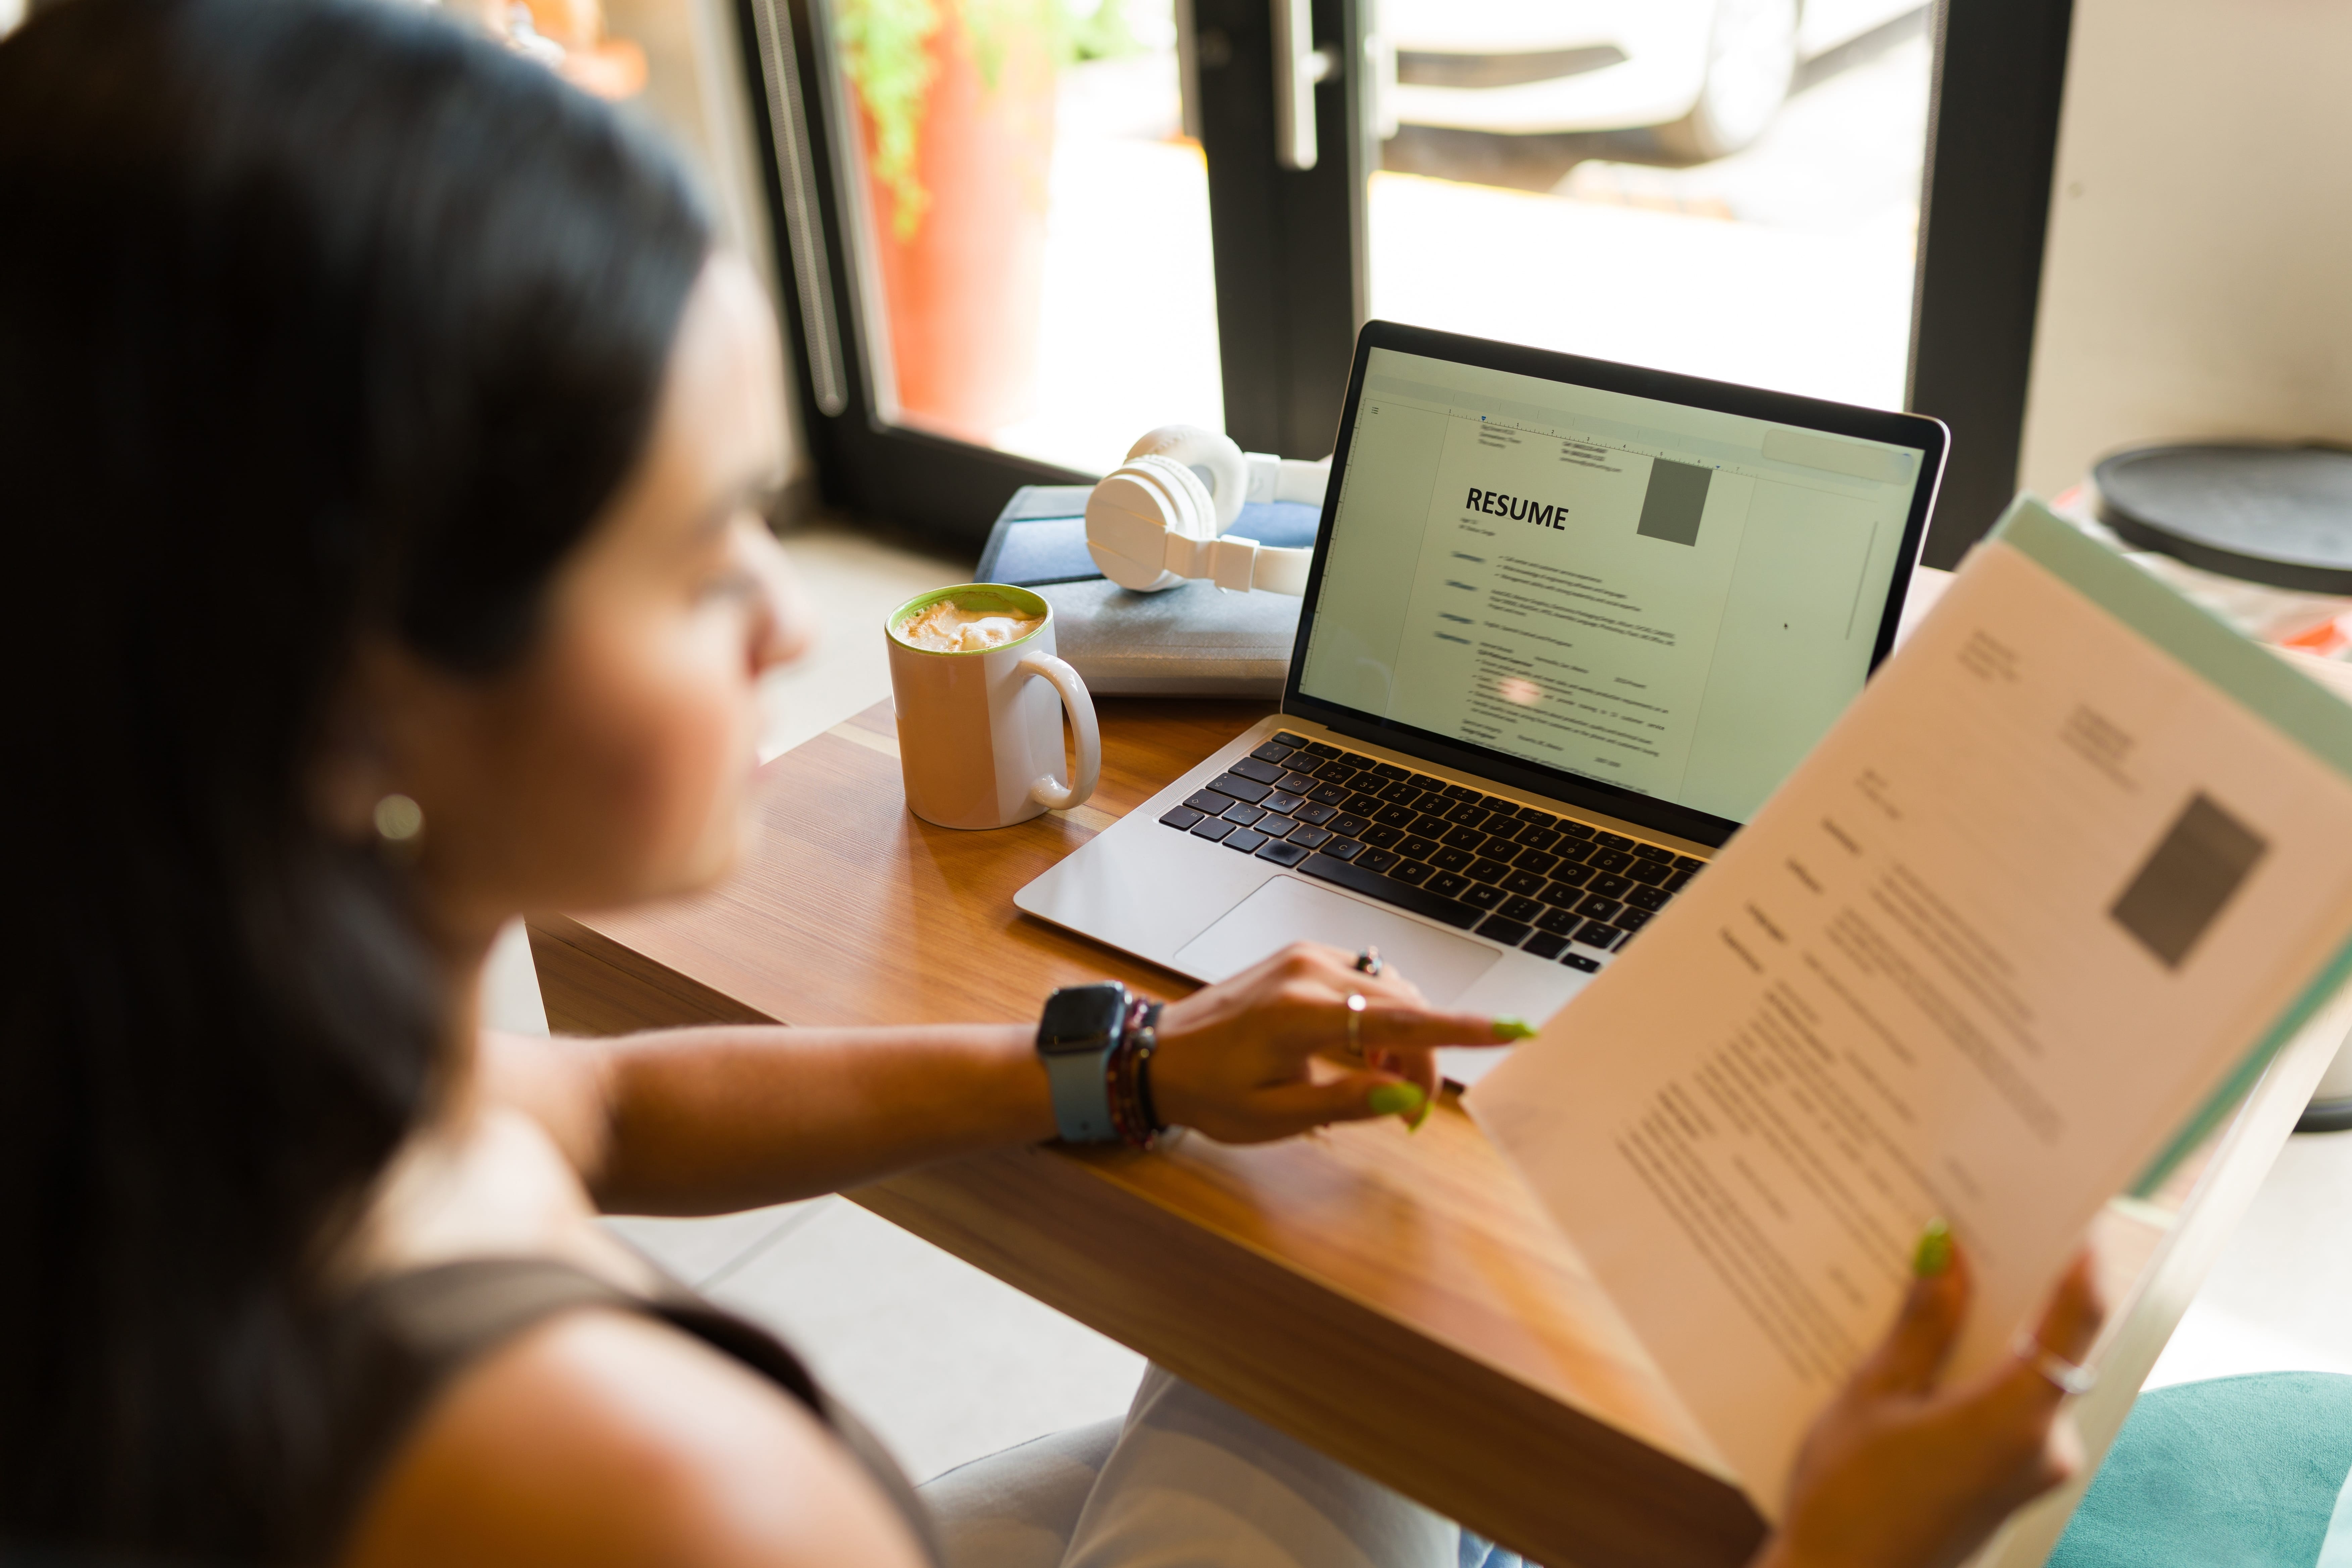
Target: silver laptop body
(1568, 624)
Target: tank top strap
(402, 1339)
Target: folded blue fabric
(2239, 1470)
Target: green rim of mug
(987, 598)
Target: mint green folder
(2261, 682)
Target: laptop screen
(1666, 600)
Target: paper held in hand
(2030, 918)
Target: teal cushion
(2241, 1470)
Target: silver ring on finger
(1369, 961)
(2065, 1376)
(1356, 1025)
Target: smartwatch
(1074, 1040)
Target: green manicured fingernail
(1935, 1251)
(1396, 1099)
(1514, 1029)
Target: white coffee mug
(980, 731)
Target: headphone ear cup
(1194, 507)
(1210, 453)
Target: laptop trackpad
(1287, 909)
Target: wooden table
(1395, 1300)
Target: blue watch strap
(1081, 1085)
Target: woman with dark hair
(383, 443)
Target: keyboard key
(1496, 803)
(1629, 920)
(1651, 852)
(1463, 838)
(1526, 884)
(1678, 881)
(1522, 909)
(1509, 933)
(1285, 738)
(1396, 816)
(1282, 852)
(1612, 841)
(1467, 815)
(1362, 805)
(1578, 961)
(1213, 828)
(1416, 848)
(1610, 859)
(1318, 749)
(1392, 772)
(1567, 895)
(1400, 793)
(1240, 788)
(1451, 859)
(1538, 837)
(1482, 896)
(1449, 884)
(1264, 773)
(1208, 802)
(1309, 837)
(1422, 780)
(1574, 829)
(1650, 871)
(1419, 900)
(1649, 898)
(1571, 876)
(1543, 944)
(1381, 836)
(1280, 801)
(1489, 870)
(1343, 848)
(1607, 938)
(1378, 859)
(1339, 770)
(1296, 783)
(1248, 841)
(1542, 820)
(1684, 863)
(1316, 813)
(1611, 885)
(1540, 862)
(1182, 817)
(1430, 827)
(1460, 792)
(1599, 908)
(1413, 872)
(1241, 816)
(1349, 826)
(1573, 850)
(1328, 794)
(1567, 922)
(1272, 752)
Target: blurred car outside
(1704, 77)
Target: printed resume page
(2014, 923)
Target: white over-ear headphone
(1160, 517)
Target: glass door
(1021, 232)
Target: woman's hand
(1238, 1060)
(1901, 1473)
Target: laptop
(1567, 624)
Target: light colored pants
(1185, 1481)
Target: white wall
(2199, 275)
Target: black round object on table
(2277, 515)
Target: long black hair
(318, 320)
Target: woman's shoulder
(608, 1437)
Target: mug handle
(1080, 707)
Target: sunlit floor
(947, 1365)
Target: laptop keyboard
(1547, 885)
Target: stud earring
(399, 820)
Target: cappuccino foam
(947, 627)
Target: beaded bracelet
(1128, 1077)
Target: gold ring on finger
(2060, 1373)
(1356, 1025)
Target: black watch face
(1081, 1018)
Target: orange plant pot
(964, 292)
